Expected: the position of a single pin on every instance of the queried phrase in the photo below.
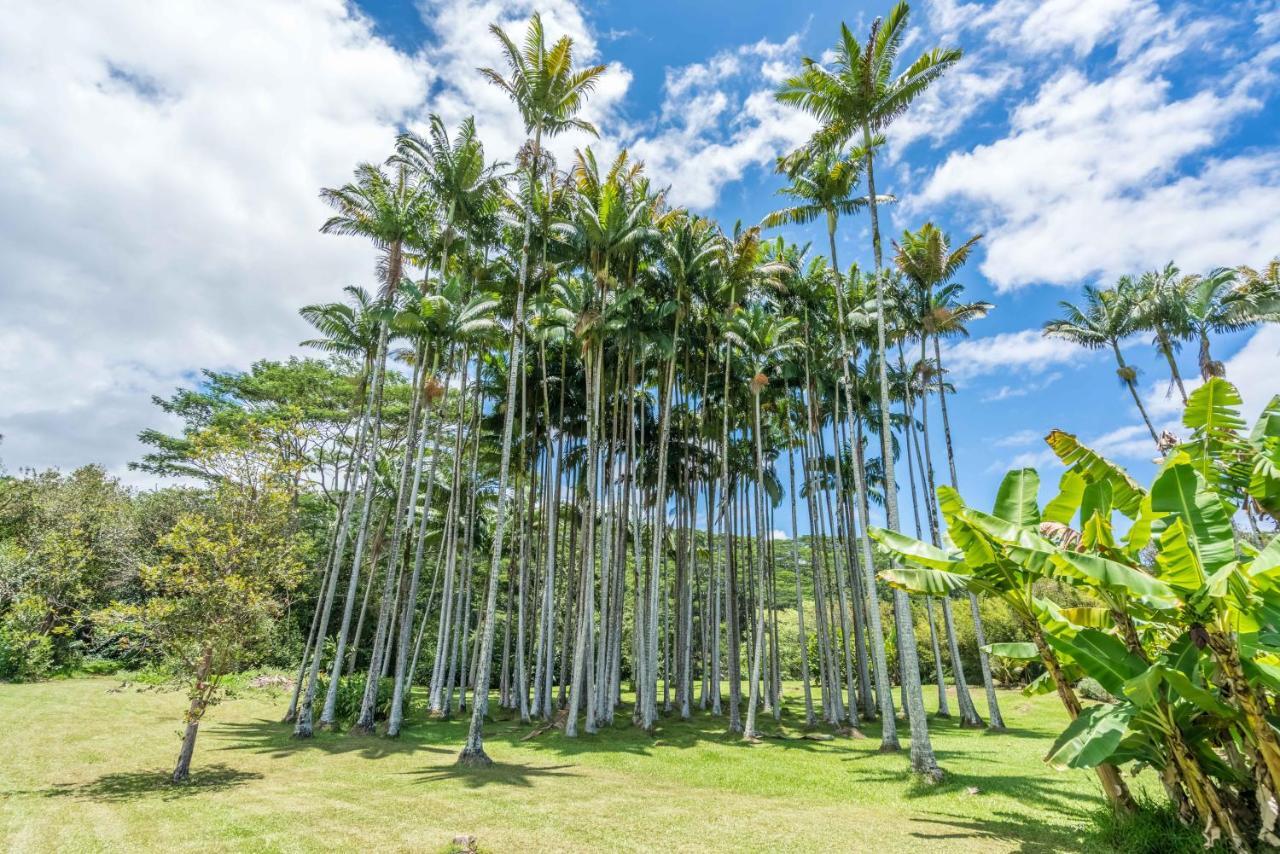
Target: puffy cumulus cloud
(1025, 352)
(1041, 26)
(719, 118)
(1086, 183)
(462, 42)
(1107, 173)
(159, 184)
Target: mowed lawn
(83, 765)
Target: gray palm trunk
(329, 711)
(382, 631)
(923, 761)
(995, 721)
(1127, 378)
(889, 729)
(749, 731)
(473, 751)
(809, 718)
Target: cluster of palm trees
(605, 391)
(1173, 308)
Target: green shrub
(1153, 829)
(350, 695)
(24, 656)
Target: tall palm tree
(390, 213)
(1106, 318)
(860, 93)
(1216, 303)
(928, 262)
(823, 184)
(764, 337)
(548, 91)
(1161, 310)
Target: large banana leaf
(1062, 509)
(1115, 577)
(1015, 650)
(1268, 424)
(1100, 655)
(916, 552)
(1017, 499)
(931, 582)
(1181, 491)
(1213, 408)
(1264, 571)
(1094, 618)
(1094, 468)
(1176, 563)
(1092, 738)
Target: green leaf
(1265, 569)
(1094, 618)
(1268, 423)
(1042, 684)
(1127, 494)
(1181, 491)
(1015, 650)
(1176, 563)
(1092, 738)
(1062, 509)
(1211, 408)
(1100, 655)
(1115, 577)
(916, 552)
(931, 582)
(1016, 500)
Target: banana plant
(1185, 636)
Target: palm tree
(1107, 318)
(548, 92)
(861, 94)
(1161, 309)
(823, 183)
(764, 337)
(389, 212)
(929, 263)
(1218, 302)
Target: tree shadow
(130, 785)
(1030, 837)
(499, 773)
(276, 740)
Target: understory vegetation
(531, 498)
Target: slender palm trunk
(995, 721)
(473, 751)
(923, 761)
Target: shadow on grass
(127, 786)
(1031, 837)
(276, 739)
(499, 773)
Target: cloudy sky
(159, 173)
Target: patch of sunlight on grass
(86, 769)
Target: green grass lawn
(83, 767)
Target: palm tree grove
(692, 473)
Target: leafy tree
(222, 577)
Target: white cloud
(1018, 439)
(1005, 392)
(1103, 175)
(778, 534)
(719, 118)
(159, 184)
(1025, 352)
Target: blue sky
(1085, 139)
